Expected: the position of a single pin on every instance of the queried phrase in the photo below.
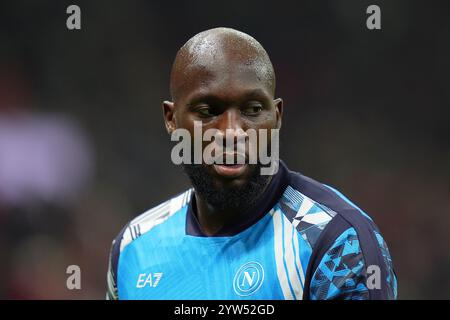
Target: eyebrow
(250, 94)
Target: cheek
(268, 121)
(184, 120)
(264, 134)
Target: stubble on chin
(226, 198)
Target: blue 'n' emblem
(248, 279)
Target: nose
(230, 119)
(231, 128)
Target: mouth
(230, 170)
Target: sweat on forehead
(220, 47)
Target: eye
(204, 111)
(252, 109)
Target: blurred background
(83, 148)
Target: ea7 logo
(150, 279)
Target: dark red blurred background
(83, 147)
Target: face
(224, 96)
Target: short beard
(228, 198)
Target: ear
(279, 111)
(168, 114)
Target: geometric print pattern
(391, 280)
(341, 274)
(307, 216)
(137, 227)
(151, 218)
(289, 269)
(111, 293)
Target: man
(239, 234)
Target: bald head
(219, 51)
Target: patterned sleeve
(344, 274)
(111, 277)
(113, 262)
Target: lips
(234, 167)
(230, 171)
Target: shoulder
(137, 227)
(150, 219)
(146, 221)
(314, 207)
(345, 242)
(325, 206)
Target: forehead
(225, 81)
